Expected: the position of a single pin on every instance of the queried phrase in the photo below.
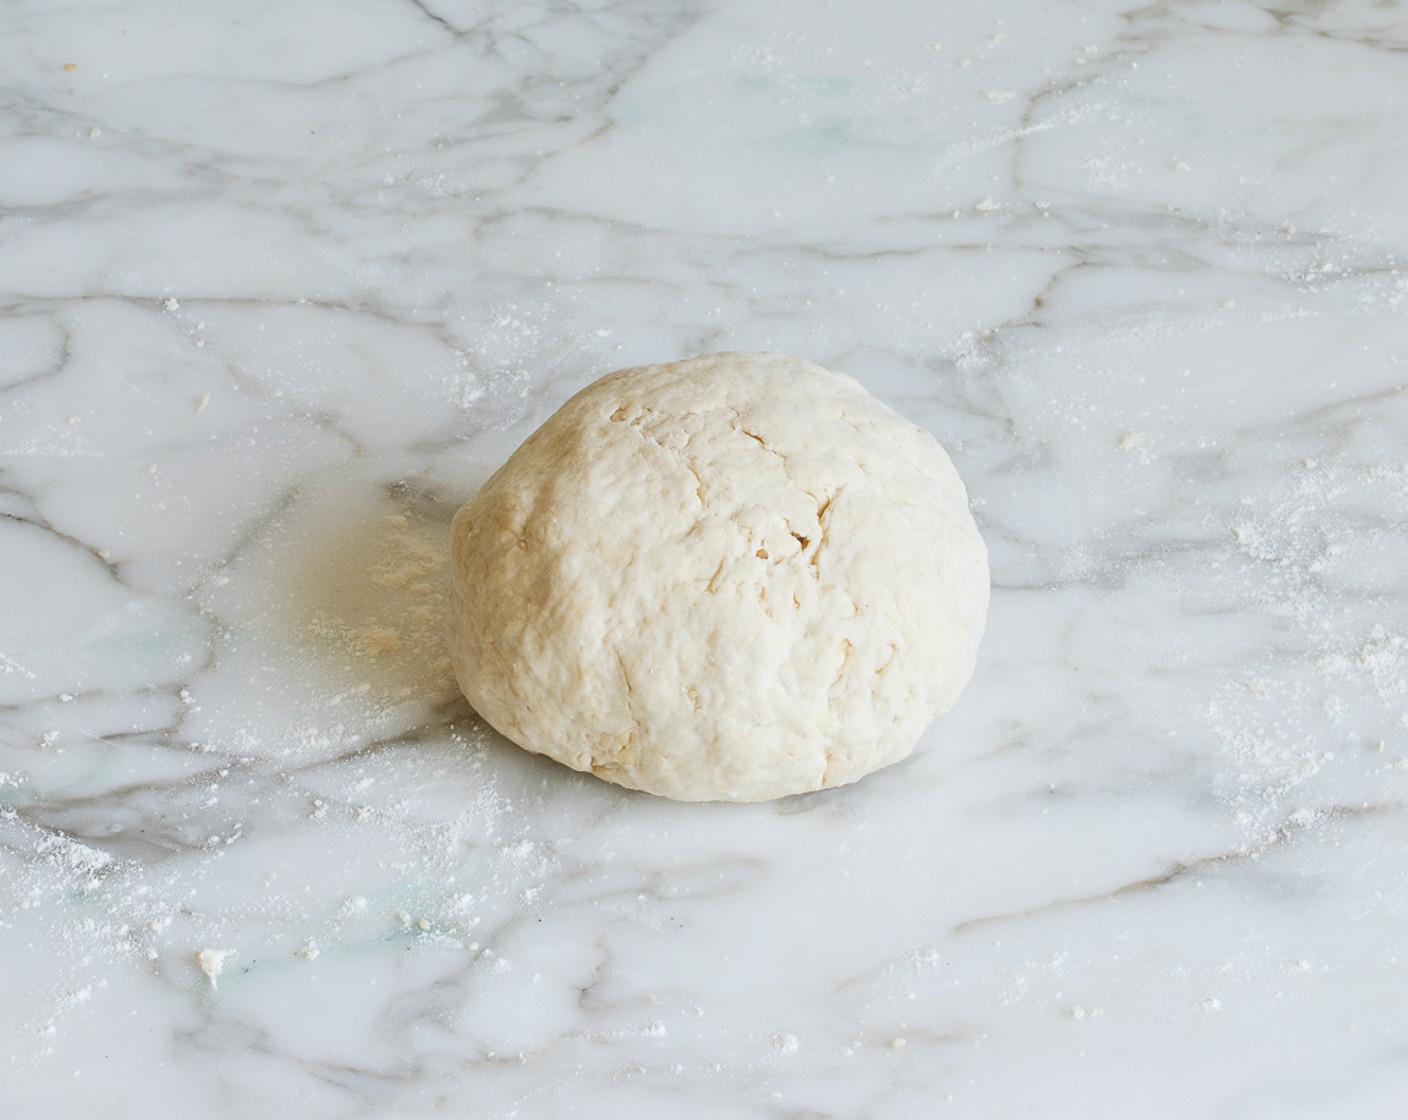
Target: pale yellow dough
(730, 578)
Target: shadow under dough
(367, 598)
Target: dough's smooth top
(734, 578)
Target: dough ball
(730, 578)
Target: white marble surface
(282, 283)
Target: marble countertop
(282, 284)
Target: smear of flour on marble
(384, 606)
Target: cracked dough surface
(733, 578)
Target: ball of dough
(730, 578)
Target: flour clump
(731, 578)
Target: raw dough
(730, 578)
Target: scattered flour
(1283, 720)
(441, 849)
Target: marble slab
(281, 284)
